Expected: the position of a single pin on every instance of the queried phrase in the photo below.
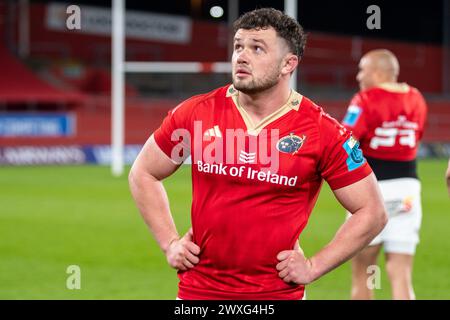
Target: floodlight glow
(216, 11)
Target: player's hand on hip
(182, 253)
(294, 267)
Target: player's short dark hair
(286, 27)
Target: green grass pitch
(54, 217)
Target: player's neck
(262, 104)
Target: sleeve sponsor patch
(352, 115)
(355, 156)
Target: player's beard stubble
(252, 86)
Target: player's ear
(290, 63)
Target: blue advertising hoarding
(61, 155)
(37, 125)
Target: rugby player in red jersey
(260, 152)
(388, 119)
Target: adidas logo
(247, 157)
(213, 132)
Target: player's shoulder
(416, 93)
(191, 104)
(365, 96)
(414, 90)
(317, 114)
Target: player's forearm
(355, 234)
(153, 204)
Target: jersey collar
(394, 87)
(293, 103)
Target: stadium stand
(18, 84)
(77, 65)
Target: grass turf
(54, 217)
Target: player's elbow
(139, 180)
(133, 179)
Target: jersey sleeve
(423, 109)
(355, 119)
(342, 162)
(173, 136)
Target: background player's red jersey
(388, 120)
(245, 210)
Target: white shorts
(403, 205)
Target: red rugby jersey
(254, 187)
(388, 120)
